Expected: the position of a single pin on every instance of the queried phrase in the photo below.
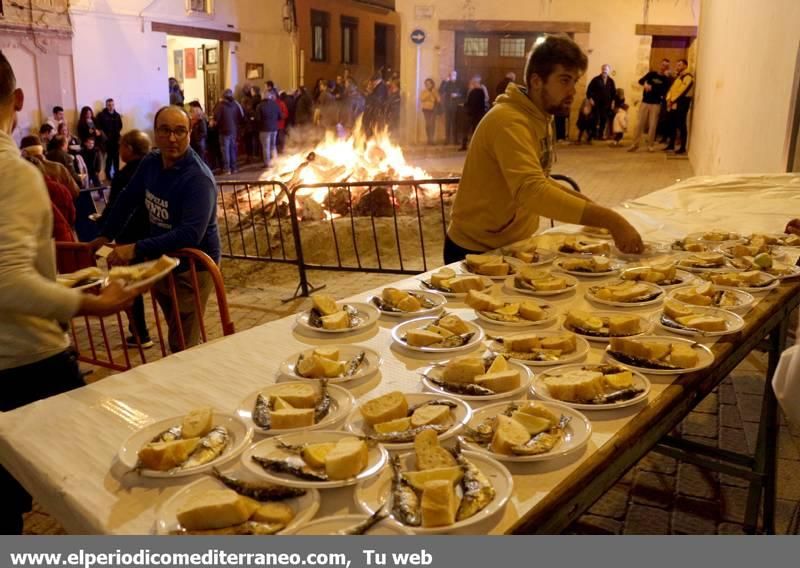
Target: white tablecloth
(63, 448)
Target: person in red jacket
(62, 205)
(282, 124)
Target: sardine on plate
(293, 465)
(433, 402)
(261, 412)
(323, 407)
(406, 435)
(544, 441)
(210, 447)
(470, 389)
(365, 525)
(256, 490)
(354, 364)
(405, 502)
(478, 490)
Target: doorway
(668, 47)
(196, 64)
(384, 48)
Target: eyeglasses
(165, 132)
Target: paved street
(658, 496)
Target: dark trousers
(112, 159)
(453, 252)
(21, 386)
(469, 129)
(137, 324)
(450, 126)
(677, 124)
(602, 118)
(430, 125)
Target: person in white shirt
(620, 125)
(57, 118)
(35, 356)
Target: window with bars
(319, 35)
(512, 47)
(349, 40)
(476, 46)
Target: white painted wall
(117, 55)
(612, 38)
(746, 59)
(24, 65)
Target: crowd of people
(259, 120)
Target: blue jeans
(229, 158)
(268, 145)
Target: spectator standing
(451, 93)
(429, 102)
(601, 92)
(228, 116)
(620, 125)
(175, 92)
(180, 195)
(375, 105)
(354, 105)
(501, 86)
(268, 116)
(86, 124)
(36, 360)
(91, 157)
(109, 122)
(327, 110)
(134, 146)
(475, 107)
(281, 140)
(679, 100)
(304, 108)
(393, 103)
(250, 100)
(654, 85)
(57, 118)
(199, 129)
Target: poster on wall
(177, 58)
(190, 69)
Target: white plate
(435, 370)
(685, 278)
(341, 404)
(733, 322)
(331, 525)
(268, 448)
(593, 241)
(581, 349)
(460, 416)
(240, 435)
(572, 283)
(370, 366)
(795, 272)
(745, 299)
(726, 266)
(467, 269)
(591, 296)
(706, 357)
(773, 283)
(579, 431)
(367, 312)
(615, 266)
(399, 330)
(644, 324)
(549, 310)
(486, 281)
(371, 495)
(545, 257)
(135, 285)
(539, 389)
(305, 506)
(651, 249)
(433, 296)
(699, 237)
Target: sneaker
(130, 341)
(633, 148)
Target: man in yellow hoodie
(505, 185)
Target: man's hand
(648, 87)
(626, 237)
(122, 254)
(793, 227)
(99, 242)
(112, 299)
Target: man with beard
(505, 185)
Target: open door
(212, 70)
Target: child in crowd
(91, 157)
(620, 125)
(586, 121)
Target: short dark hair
(58, 109)
(109, 101)
(684, 62)
(176, 107)
(29, 141)
(137, 141)
(8, 82)
(46, 128)
(554, 50)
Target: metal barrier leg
(303, 291)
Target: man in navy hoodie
(180, 195)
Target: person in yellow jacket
(679, 99)
(505, 185)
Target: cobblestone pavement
(657, 496)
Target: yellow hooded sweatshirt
(505, 186)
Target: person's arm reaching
(188, 231)
(123, 207)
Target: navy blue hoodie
(181, 202)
